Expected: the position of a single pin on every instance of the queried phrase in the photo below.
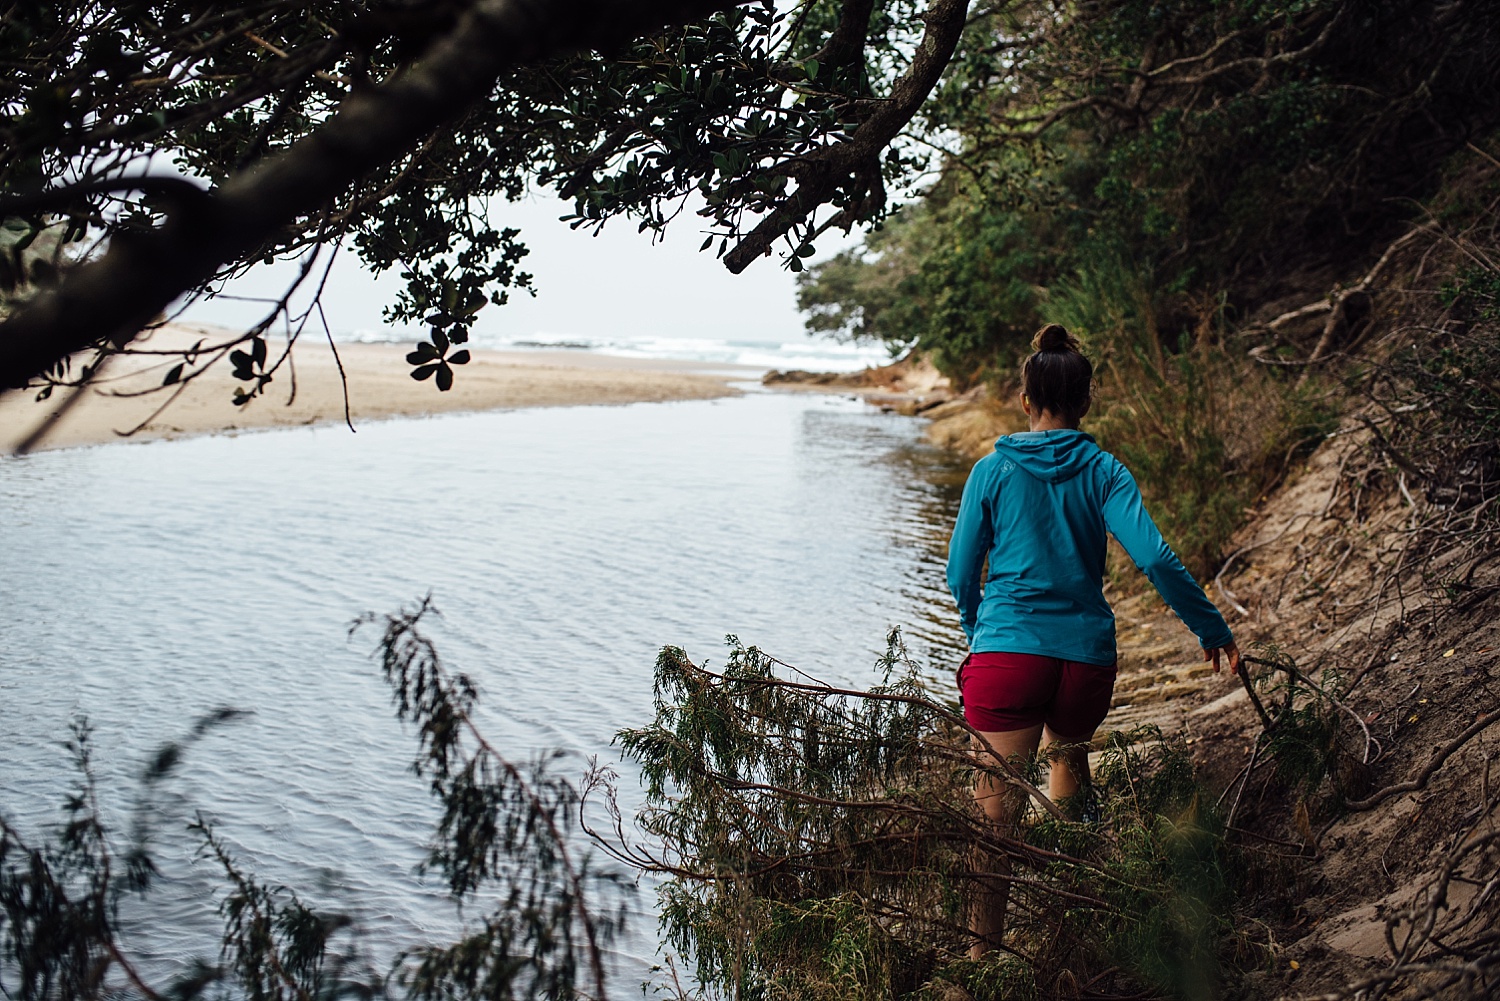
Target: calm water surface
(146, 584)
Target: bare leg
(1003, 805)
(1070, 768)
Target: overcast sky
(615, 284)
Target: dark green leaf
(439, 342)
(459, 357)
(425, 372)
(444, 378)
(173, 374)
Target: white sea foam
(812, 356)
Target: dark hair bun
(1057, 378)
(1054, 337)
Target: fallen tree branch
(1334, 300)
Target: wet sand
(379, 386)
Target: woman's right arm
(973, 534)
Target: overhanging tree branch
(820, 173)
(846, 46)
(140, 275)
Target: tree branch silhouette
(141, 274)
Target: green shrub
(540, 917)
(820, 843)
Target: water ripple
(147, 584)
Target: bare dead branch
(1442, 754)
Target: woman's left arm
(1126, 518)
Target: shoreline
(379, 388)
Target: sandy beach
(379, 386)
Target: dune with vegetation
(1298, 350)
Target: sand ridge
(379, 386)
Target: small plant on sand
(1308, 731)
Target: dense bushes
(1204, 431)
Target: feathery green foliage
(1306, 736)
(504, 845)
(821, 842)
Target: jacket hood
(1050, 456)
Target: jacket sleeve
(972, 535)
(1126, 518)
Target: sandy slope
(1318, 574)
(379, 386)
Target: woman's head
(1057, 380)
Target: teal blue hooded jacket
(1038, 508)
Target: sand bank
(379, 387)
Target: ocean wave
(812, 356)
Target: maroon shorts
(1012, 691)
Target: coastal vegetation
(1273, 224)
(1297, 351)
(821, 843)
(291, 130)
(1174, 182)
(815, 842)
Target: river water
(146, 584)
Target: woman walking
(1041, 666)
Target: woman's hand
(1229, 650)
